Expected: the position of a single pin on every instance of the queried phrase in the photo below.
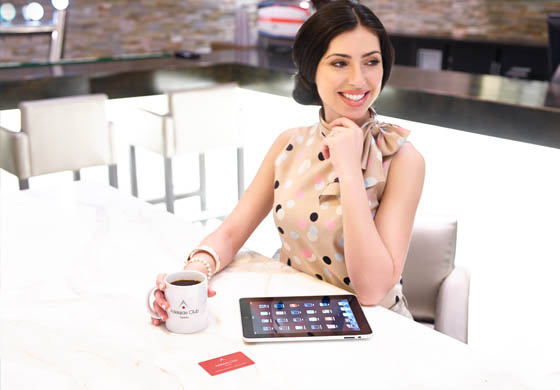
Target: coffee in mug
(185, 282)
(187, 294)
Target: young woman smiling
(344, 192)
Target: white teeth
(353, 97)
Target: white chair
(436, 290)
(63, 134)
(198, 119)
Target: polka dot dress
(307, 209)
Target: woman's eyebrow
(347, 56)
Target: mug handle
(149, 307)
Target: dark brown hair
(315, 35)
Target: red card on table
(226, 363)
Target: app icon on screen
(266, 320)
(345, 308)
(343, 303)
(324, 303)
(326, 311)
(284, 328)
(295, 311)
(352, 326)
(279, 305)
(313, 319)
(298, 319)
(332, 326)
(308, 304)
(311, 311)
(347, 314)
(263, 306)
(281, 320)
(267, 328)
(329, 318)
(294, 304)
(265, 313)
(300, 327)
(316, 327)
(280, 313)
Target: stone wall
(104, 28)
(494, 20)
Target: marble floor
(505, 195)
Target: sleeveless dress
(307, 209)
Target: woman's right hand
(161, 305)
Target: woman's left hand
(344, 146)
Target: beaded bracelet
(210, 251)
(203, 261)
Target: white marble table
(76, 262)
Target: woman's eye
(339, 64)
(375, 61)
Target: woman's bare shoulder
(409, 157)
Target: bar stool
(63, 134)
(198, 119)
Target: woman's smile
(354, 98)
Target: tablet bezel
(250, 336)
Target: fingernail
(165, 306)
(161, 286)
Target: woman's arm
(375, 252)
(254, 205)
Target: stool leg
(77, 176)
(113, 177)
(133, 174)
(169, 197)
(23, 184)
(240, 174)
(202, 179)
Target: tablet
(320, 317)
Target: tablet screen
(303, 316)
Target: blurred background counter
(521, 110)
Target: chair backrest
(67, 133)
(205, 118)
(430, 259)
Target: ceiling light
(7, 12)
(60, 4)
(33, 11)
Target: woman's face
(349, 75)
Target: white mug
(187, 312)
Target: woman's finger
(326, 151)
(155, 321)
(160, 300)
(211, 292)
(160, 312)
(342, 122)
(160, 281)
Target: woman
(349, 173)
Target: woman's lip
(353, 103)
(355, 91)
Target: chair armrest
(14, 153)
(151, 130)
(452, 313)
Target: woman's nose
(356, 76)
